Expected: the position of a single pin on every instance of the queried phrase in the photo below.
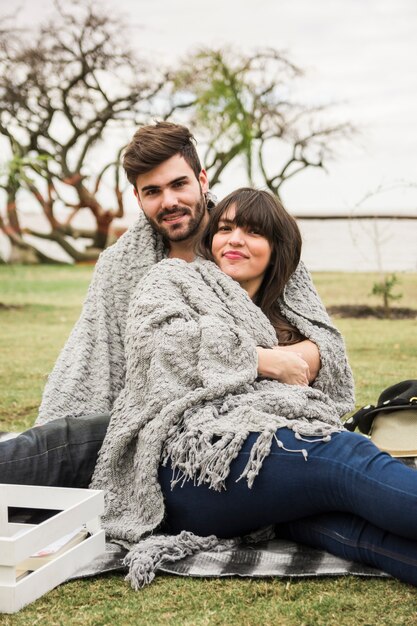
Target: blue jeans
(348, 497)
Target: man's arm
(89, 371)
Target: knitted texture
(191, 394)
(89, 373)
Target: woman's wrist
(282, 365)
(266, 367)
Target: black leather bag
(392, 422)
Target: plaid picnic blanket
(275, 558)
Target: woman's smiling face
(241, 252)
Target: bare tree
(244, 105)
(60, 91)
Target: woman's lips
(234, 254)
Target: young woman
(201, 449)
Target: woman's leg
(353, 538)
(61, 453)
(346, 474)
(361, 504)
(377, 496)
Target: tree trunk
(20, 250)
(102, 233)
(11, 210)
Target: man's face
(172, 198)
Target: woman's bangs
(255, 214)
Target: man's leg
(61, 453)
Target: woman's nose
(236, 237)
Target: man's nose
(169, 199)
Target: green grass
(355, 288)
(48, 300)
(45, 303)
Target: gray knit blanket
(90, 371)
(191, 395)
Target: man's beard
(180, 233)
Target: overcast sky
(359, 53)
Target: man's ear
(203, 180)
(136, 194)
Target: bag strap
(357, 418)
(364, 417)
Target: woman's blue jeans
(348, 497)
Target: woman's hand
(283, 365)
(298, 364)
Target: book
(51, 552)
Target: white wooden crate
(78, 507)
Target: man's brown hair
(153, 144)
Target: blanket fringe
(145, 557)
(206, 459)
(197, 457)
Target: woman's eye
(223, 229)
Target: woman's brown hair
(264, 212)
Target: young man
(171, 188)
(170, 185)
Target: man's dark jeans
(62, 453)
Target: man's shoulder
(139, 247)
(300, 296)
(127, 241)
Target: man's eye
(180, 183)
(150, 192)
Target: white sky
(360, 53)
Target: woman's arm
(298, 364)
